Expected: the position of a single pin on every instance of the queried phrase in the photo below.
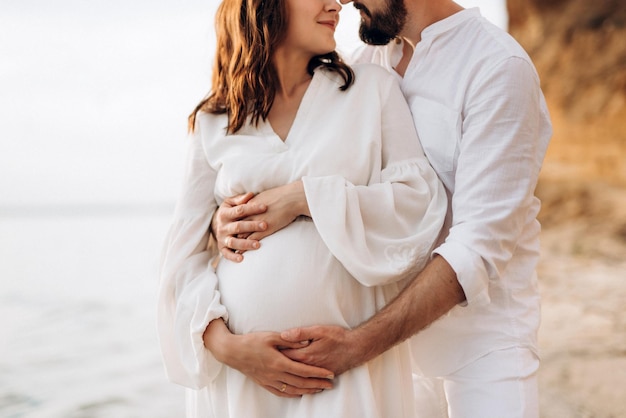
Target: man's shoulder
(486, 39)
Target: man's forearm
(426, 298)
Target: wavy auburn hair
(244, 79)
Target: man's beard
(382, 26)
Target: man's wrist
(361, 348)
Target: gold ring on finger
(283, 387)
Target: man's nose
(345, 1)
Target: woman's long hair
(244, 80)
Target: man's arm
(432, 293)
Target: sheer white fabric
(377, 208)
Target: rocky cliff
(579, 49)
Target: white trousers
(500, 384)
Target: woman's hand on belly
(242, 221)
(284, 204)
(230, 229)
(258, 356)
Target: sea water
(77, 314)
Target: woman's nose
(333, 5)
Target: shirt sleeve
(506, 130)
(385, 231)
(188, 294)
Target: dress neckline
(301, 113)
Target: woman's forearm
(218, 340)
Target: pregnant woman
(284, 110)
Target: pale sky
(94, 95)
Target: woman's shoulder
(211, 123)
(372, 77)
(371, 72)
(364, 74)
(375, 80)
(209, 128)
(371, 82)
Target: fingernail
(255, 245)
(305, 342)
(318, 391)
(330, 376)
(262, 225)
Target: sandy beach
(583, 333)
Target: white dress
(377, 208)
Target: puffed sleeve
(188, 294)
(385, 231)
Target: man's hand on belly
(258, 355)
(329, 346)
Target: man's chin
(375, 38)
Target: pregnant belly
(292, 280)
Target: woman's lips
(330, 23)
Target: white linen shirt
(484, 126)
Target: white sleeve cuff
(470, 272)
